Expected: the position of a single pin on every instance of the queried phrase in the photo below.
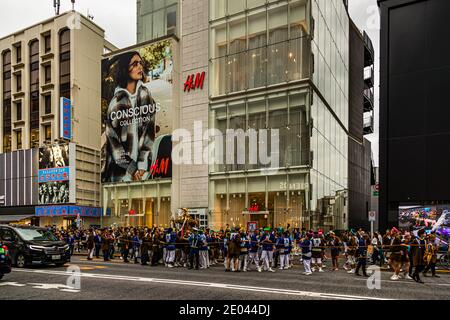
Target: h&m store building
(271, 66)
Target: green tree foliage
(155, 53)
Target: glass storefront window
(220, 210)
(264, 112)
(298, 63)
(146, 7)
(147, 24)
(257, 54)
(220, 123)
(218, 82)
(257, 210)
(149, 212)
(217, 8)
(250, 63)
(277, 63)
(278, 24)
(158, 4)
(235, 6)
(281, 204)
(138, 207)
(157, 18)
(171, 19)
(255, 3)
(164, 214)
(158, 25)
(257, 119)
(236, 72)
(237, 122)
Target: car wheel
(20, 261)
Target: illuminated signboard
(66, 118)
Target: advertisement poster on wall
(56, 175)
(137, 90)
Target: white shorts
(351, 260)
(316, 260)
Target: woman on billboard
(130, 122)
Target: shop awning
(14, 218)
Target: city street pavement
(116, 280)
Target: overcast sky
(118, 19)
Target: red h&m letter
(190, 84)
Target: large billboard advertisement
(56, 175)
(137, 104)
(434, 218)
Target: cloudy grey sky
(118, 18)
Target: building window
(34, 118)
(18, 53)
(7, 127)
(48, 132)
(47, 43)
(18, 111)
(258, 47)
(34, 93)
(48, 104)
(171, 19)
(19, 140)
(34, 138)
(64, 64)
(285, 113)
(19, 82)
(48, 74)
(6, 143)
(34, 65)
(7, 73)
(156, 19)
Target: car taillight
(6, 250)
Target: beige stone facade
(60, 56)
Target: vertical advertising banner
(66, 118)
(137, 89)
(56, 176)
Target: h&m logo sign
(194, 82)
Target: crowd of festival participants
(406, 254)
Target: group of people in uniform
(261, 249)
(407, 254)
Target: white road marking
(208, 285)
(48, 286)
(11, 284)
(70, 290)
(412, 282)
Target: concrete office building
(414, 113)
(58, 57)
(361, 103)
(269, 65)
